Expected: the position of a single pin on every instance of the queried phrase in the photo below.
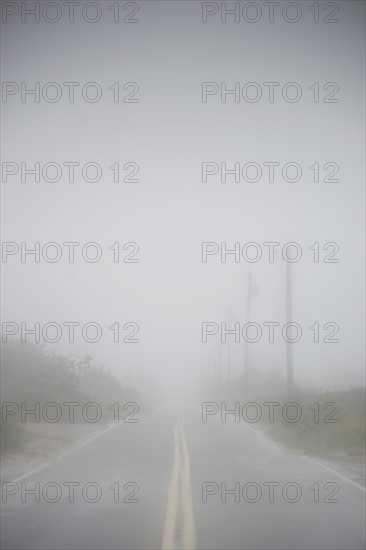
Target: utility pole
(210, 371)
(228, 370)
(218, 362)
(289, 349)
(246, 351)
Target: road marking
(180, 486)
(39, 468)
(31, 472)
(98, 434)
(254, 430)
(189, 536)
(173, 495)
(345, 478)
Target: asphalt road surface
(171, 481)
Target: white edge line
(31, 472)
(345, 478)
(253, 430)
(39, 468)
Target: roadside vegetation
(30, 375)
(330, 424)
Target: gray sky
(170, 212)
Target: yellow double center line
(180, 488)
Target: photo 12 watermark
(29, 11)
(269, 252)
(69, 92)
(269, 172)
(269, 92)
(269, 332)
(270, 12)
(69, 412)
(69, 252)
(71, 492)
(71, 171)
(270, 411)
(70, 332)
(269, 492)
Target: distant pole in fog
(247, 317)
(218, 362)
(289, 349)
(228, 369)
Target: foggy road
(182, 226)
(163, 483)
